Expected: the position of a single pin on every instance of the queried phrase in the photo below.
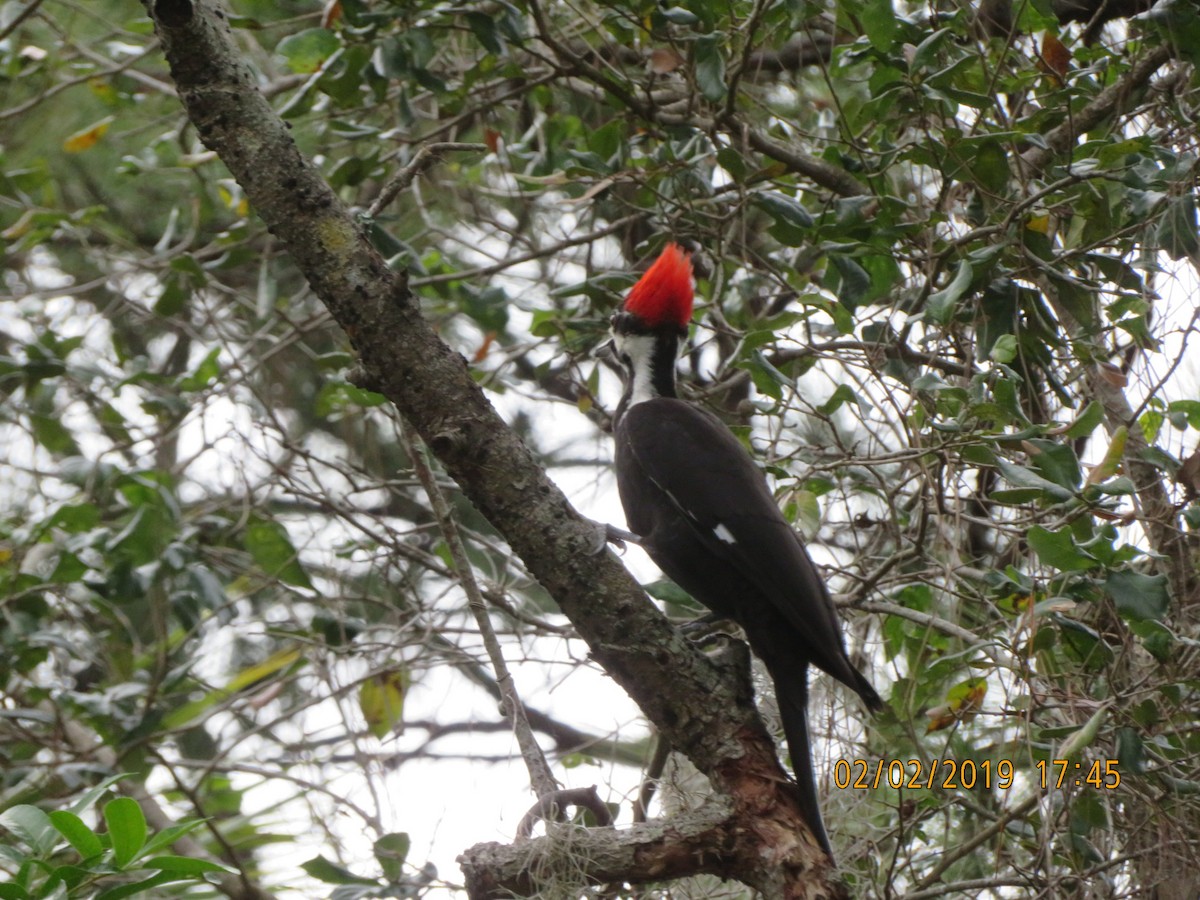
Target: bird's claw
(708, 628)
(610, 534)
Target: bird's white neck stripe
(640, 350)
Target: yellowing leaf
(1111, 375)
(332, 14)
(19, 228)
(664, 60)
(1040, 224)
(278, 660)
(272, 665)
(381, 699)
(1113, 457)
(88, 137)
(963, 702)
(103, 89)
(1055, 55)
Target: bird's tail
(791, 694)
(866, 690)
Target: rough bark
(694, 703)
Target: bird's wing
(711, 479)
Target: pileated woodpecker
(703, 512)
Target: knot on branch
(448, 442)
(174, 13)
(361, 377)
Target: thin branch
(424, 157)
(544, 783)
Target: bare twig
(540, 775)
(422, 159)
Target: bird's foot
(610, 534)
(698, 629)
(710, 630)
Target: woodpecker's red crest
(663, 295)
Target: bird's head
(660, 303)
(651, 325)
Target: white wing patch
(724, 534)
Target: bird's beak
(606, 350)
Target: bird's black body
(703, 511)
(682, 475)
(705, 515)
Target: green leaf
(843, 393)
(927, 51)
(1115, 153)
(483, 27)
(126, 828)
(1131, 752)
(138, 887)
(391, 851)
(32, 826)
(1034, 16)
(1004, 350)
(732, 162)
(879, 22)
(268, 543)
(185, 865)
(50, 432)
(793, 223)
(854, 282)
(306, 51)
(10, 891)
(1057, 549)
(95, 793)
(1158, 640)
(606, 141)
(1139, 596)
(203, 375)
(83, 839)
(767, 379)
(989, 167)
(1085, 736)
(884, 273)
(1085, 644)
(941, 304)
(1176, 232)
(677, 15)
(710, 66)
(1086, 422)
(1056, 462)
(143, 538)
(1020, 477)
(331, 873)
(337, 397)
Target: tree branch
(1105, 104)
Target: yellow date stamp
(967, 774)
